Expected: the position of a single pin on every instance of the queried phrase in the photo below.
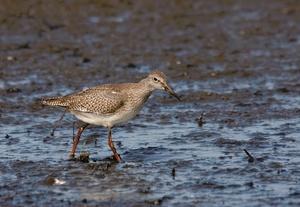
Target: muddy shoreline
(236, 63)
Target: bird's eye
(155, 79)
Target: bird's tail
(55, 101)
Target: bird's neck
(144, 88)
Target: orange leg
(57, 123)
(80, 130)
(112, 146)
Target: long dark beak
(169, 89)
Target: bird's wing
(100, 102)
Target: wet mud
(233, 140)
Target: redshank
(110, 104)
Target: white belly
(108, 120)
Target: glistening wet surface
(235, 64)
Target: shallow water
(234, 62)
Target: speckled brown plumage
(111, 104)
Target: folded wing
(98, 102)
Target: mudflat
(234, 64)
